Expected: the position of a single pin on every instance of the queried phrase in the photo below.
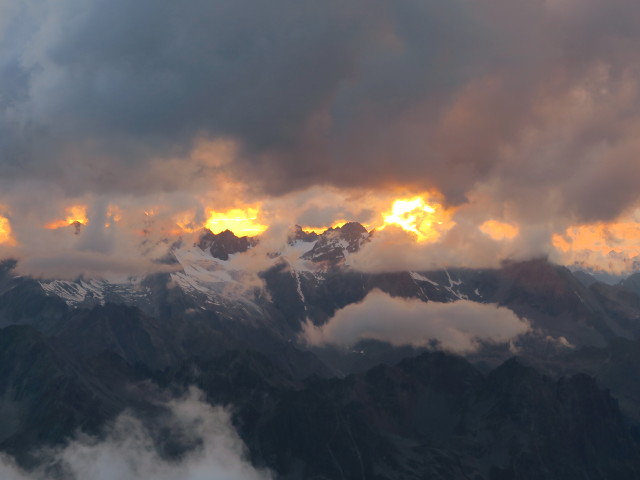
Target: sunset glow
(499, 230)
(6, 235)
(320, 230)
(76, 214)
(242, 222)
(114, 215)
(622, 238)
(186, 224)
(460, 149)
(427, 220)
(612, 246)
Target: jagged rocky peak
(226, 243)
(352, 228)
(335, 243)
(299, 234)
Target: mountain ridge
(379, 411)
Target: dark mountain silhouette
(561, 402)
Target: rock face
(431, 416)
(73, 354)
(554, 299)
(225, 243)
(333, 245)
(299, 234)
(632, 283)
(46, 393)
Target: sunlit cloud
(613, 247)
(6, 234)
(74, 215)
(426, 219)
(241, 221)
(533, 108)
(114, 215)
(320, 230)
(411, 228)
(499, 230)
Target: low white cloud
(463, 246)
(128, 453)
(457, 326)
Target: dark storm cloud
(537, 99)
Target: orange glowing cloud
(499, 230)
(426, 219)
(114, 215)
(6, 234)
(75, 215)
(242, 222)
(623, 237)
(613, 247)
(186, 223)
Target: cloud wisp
(127, 452)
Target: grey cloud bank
(534, 101)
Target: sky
(514, 124)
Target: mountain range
(235, 318)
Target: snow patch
(97, 291)
(422, 278)
(455, 283)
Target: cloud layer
(128, 452)
(537, 100)
(526, 112)
(457, 326)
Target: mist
(128, 450)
